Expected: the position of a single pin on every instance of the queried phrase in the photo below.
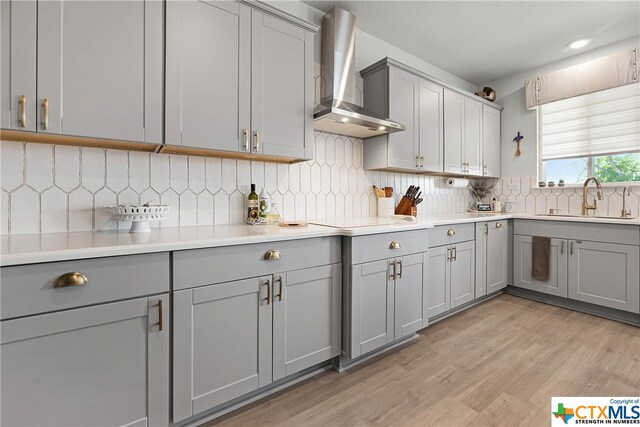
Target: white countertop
(37, 248)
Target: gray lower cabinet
(606, 274)
(94, 64)
(522, 264)
(451, 279)
(492, 242)
(386, 302)
(104, 365)
(235, 337)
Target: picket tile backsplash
(48, 189)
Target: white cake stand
(139, 215)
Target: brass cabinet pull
(392, 276)
(421, 162)
(268, 298)
(71, 279)
(45, 114)
(256, 135)
(417, 161)
(160, 317)
(498, 225)
(278, 280)
(22, 120)
(245, 136)
(454, 254)
(394, 245)
(272, 255)
(486, 229)
(451, 232)
(399, 276)
(484, 168)
(448, 254)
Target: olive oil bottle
(253, 206)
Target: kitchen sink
(583, 216)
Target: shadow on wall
(516, 118)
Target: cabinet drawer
(199, 267)
(595, 232)
(380, 246)
(29, 289)
(447, 234)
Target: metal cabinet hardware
(454, 253)
(268, 284)
(486, 229)
(394, 245)
(498, 225)
(279, 281)
(417, 161)
(421, 162)
(451, 232)
(256, 136)
(571, 248)
(393, 272)
(272, 255)
(71, 279)
(399, 276)
(160, 317)
(22, 120)
(562, 247)
(448, 254)
(45, 114)
(484, 168)
(245, 137)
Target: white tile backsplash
(531, 199)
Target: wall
(49, 188)
(515, 117)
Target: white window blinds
(599, 123)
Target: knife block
(406, 207)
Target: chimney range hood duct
(338, 113)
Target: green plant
(561, 181)
(621, 168)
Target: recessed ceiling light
(579, 44)
(382, 128)
(344, 120)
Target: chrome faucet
(626, 191)
(586, 207)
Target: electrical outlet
(513, 186)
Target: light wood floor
(498, 363)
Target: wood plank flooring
(496, 364)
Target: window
(597, 134)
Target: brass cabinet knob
(498, 225)
(271, 255)
(394, 245)
(451, 232)
(71, 279)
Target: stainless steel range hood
(338, 113)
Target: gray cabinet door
(431, 126)
(482, 231)
(453, 131)
(281, 87)
(221, 345)
(522, 263)
(497, 256)
(403, 107)
(491, 141)
(104, 365)
(463, 266)
(472, 152)
(306, 318)
(18, 65)
(208, 75)
(605, 274)
(372, 302)
(100, 69)
(438, 282)
(408, 312)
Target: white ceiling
(481, 41)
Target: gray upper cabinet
(247, 87)
(473, 136)
(454, 132)
(222, 345)
(208, 75)
(99, 69)
(492, 241)
(522, 265)
(606, 274)
(18, 35)
(415, 102)
(104, 365)
(491, 141)
(306, 318)
(281, 88)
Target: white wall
(515, 117)
(370, 49)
